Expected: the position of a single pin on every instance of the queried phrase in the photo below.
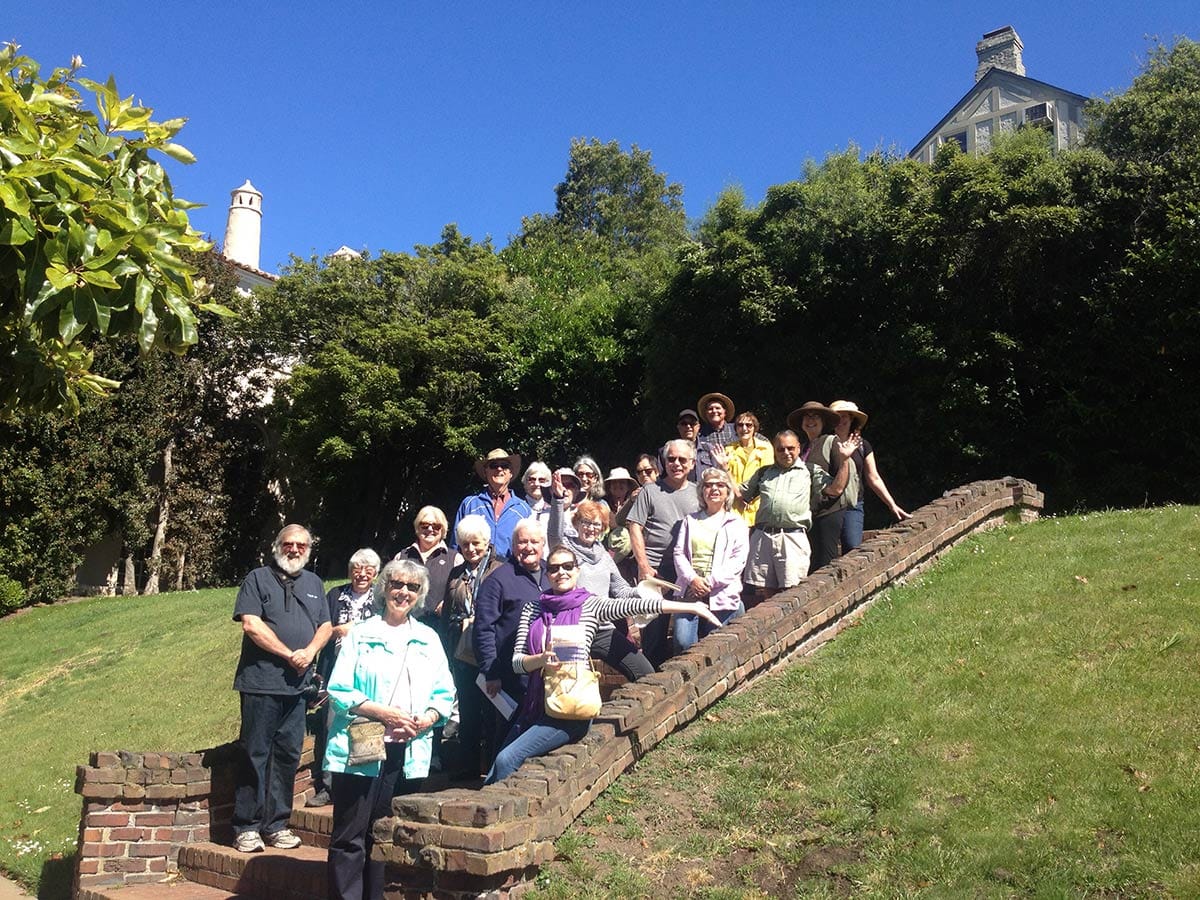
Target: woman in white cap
(851, 420)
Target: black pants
(473, 707)
(825, 537)
(358, 800)
(272, 735)
(621, 653)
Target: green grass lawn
(137, 673)
(1022, 720)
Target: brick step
(314, 824)
(171, 890)
(285, 874)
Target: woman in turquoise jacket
(391, 669)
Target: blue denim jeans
(538, 739)
(690, 628)
(852, 527)
(272, 734)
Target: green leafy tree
(396, 365)
(91, 235)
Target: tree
(91, 234)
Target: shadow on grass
(57, 875)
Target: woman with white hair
(479, 559)
(535, 481)
(587, 470)
(430, 550)
(349, 604)
(391, 670)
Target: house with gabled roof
(1004, 99)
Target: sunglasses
(740, 425)
(645, 471)
(679, 459)
(499, 464)
(430, 526)
(412, 586)
(555, 568)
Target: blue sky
(375, 124)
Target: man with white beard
(285, 623)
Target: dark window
(960, 139)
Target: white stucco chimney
(1000, 49)
(243, 230)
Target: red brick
(107, 820)
(128, 834)
(123, 865)
(89, 866)
(149, 848)
(154, 819)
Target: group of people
(453, 637)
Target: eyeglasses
(430, 526)
(555, 568)
(585, 475)
(679, 459)
(689, 422)
(361, 569)
(740, 426)
(413, 587)
(499, 464)
(645, 471)
(540, 482)
(297, 545)
(590, 526)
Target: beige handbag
(366, 741)
(465, 650)
(572, 691)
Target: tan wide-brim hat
(795, 418)
(720, 398)
(620, 473)
(514, 462)
(851, 409)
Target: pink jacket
(730, 551)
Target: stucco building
(1002, 99)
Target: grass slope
(1021, 721)
(137, 673)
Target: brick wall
(491, 841)
(141, 808)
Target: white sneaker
(284, 839)
(248, 842)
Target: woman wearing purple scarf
(564, 619)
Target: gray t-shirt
(658, 509)
(293, 608)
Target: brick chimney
(1000, 49)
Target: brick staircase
(209, 871)
(215, 871)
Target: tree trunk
(164, 515)
(179, 571)
(129, 583)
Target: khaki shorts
(777, 560)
